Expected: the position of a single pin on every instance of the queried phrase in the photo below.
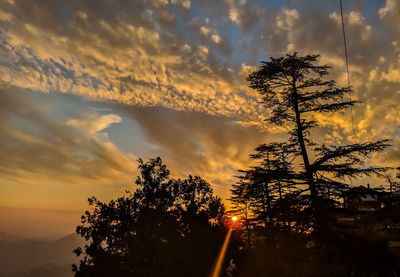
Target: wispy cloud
(36, 149)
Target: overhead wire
(347, 69)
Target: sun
(234, 218)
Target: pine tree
(262, 189)
(294, 93)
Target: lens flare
(221, 256)
(234, 218)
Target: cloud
(216, 38)
(76, 156)
(145, 61)
(185, 3)
(36, 149)
(195, 143)
(389, 14)
(96, 123)
(194, 57)
(137, 61)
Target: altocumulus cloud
(192, 56)
(101, 51)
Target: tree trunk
(247, 227)
(304, 154)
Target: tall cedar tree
(294, 93)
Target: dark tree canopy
(291, 197)
(300, 176)
(167, 227)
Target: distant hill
(22, 257)
(7, 237)
(48, 270)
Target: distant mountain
(33, 257)
(48, 270)
(7, 237)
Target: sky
(87, 87)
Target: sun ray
(221, 256)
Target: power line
(347, 68)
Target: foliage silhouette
(290, 198)
(167, 227)
(300, 179)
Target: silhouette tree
(294, 186)
(273, 191)
(263, 186)
(395, 186)
(294, 93)
(242, 200)
(167, 227)
(393, 190)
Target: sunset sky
(87, 87)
